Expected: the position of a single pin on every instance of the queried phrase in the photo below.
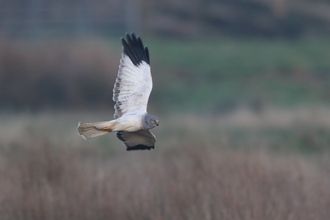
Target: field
(244, 131)
(236, 166)
(241, 88)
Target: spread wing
(139, 140)
(134, 83)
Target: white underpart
(128, 123)
(132, 88)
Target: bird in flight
(131, 92)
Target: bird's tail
(94, 129)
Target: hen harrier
(131, 93)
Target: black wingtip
(134, 49)
(130, 147)
(140, 147)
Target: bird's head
(155, 121)
(150, 121)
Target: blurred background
(241, 87)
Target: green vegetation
(205, 73)
(242, 57)
(209, 75)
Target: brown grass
(40, 180)
(54, 73)
(48, 172)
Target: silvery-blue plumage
(131, 92)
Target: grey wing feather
(134, 82)
(139, 140)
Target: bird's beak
(157, 122)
